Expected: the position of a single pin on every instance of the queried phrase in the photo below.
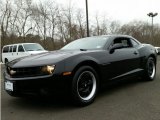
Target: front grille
(25, 72)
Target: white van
(14, 51)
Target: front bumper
(45, 85)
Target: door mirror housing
(116, 46)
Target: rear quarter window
(20, 48)
(5, 49)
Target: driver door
(123, 60)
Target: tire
(84, 86)
(150, 69)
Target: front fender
(72, 62)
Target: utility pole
(87, 18)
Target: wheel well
(92, 64)
(154, 57)
(5, 59)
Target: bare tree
(53, 14)
(54, 26)
(97, 25)
(5, 17)
(20, 18)
(100, 27)
(61, 29)
(104, 26)
(114, 27)
(40, 16)
(68, 13)
(80, 22)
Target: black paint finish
(109, 64)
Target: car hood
(48, 58)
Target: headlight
(48, 69)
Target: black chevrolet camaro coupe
(81, 67)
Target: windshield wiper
(83, 49)
(39, 49)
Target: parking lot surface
(127, 100)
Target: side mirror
(116, 46)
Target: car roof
(19, 44)
(117, 35)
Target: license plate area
(9, 86)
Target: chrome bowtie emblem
(12, 72)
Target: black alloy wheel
(150, 69)
(84, 85)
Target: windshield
(87, 43)
(33, 47)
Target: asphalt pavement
(127, 100)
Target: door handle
(135, 52)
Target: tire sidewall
(74, 86)
(147, 76)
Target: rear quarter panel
(145, 51)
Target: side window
(10, 48)
(6, 49)
(14, 48)
(124, 41)
(20, 48)
(134, 43)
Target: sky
(123, 11)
